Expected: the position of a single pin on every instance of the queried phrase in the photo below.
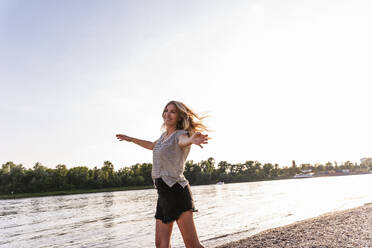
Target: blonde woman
(175, 202)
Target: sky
(281, 80)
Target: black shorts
(172, 201)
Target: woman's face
(170, 115)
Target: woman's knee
(163, 234)
(162, 243)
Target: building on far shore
(304, 174)
(366, 162)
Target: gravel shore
(350, 228)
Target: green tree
(193, 172)
(267, 171)
(39, 181)
(60, 177)
(107, 173)
(78, 177)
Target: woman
(175, 202)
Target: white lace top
(169, 159)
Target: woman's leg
(163, 234)
(187, 227)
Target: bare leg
(163, 234)
(187, 228)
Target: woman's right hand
(122, 137)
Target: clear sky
(282, 80)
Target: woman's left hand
(199, 139)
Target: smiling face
(171, 115)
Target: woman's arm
(144, 143)
(196, 139)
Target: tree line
(16, 178)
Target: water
(125, 219)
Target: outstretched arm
(144, 143)
(196, 139)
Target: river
(125, 219)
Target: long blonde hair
(190, 121)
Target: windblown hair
(190, 121)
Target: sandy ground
(350, 228)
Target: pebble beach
(350, 228)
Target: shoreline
(347, 228)
(70, 192)
(89, 191)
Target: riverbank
(70, 192)
(86, 191)
(349, 228)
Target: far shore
(87, 191)
(70, 192)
